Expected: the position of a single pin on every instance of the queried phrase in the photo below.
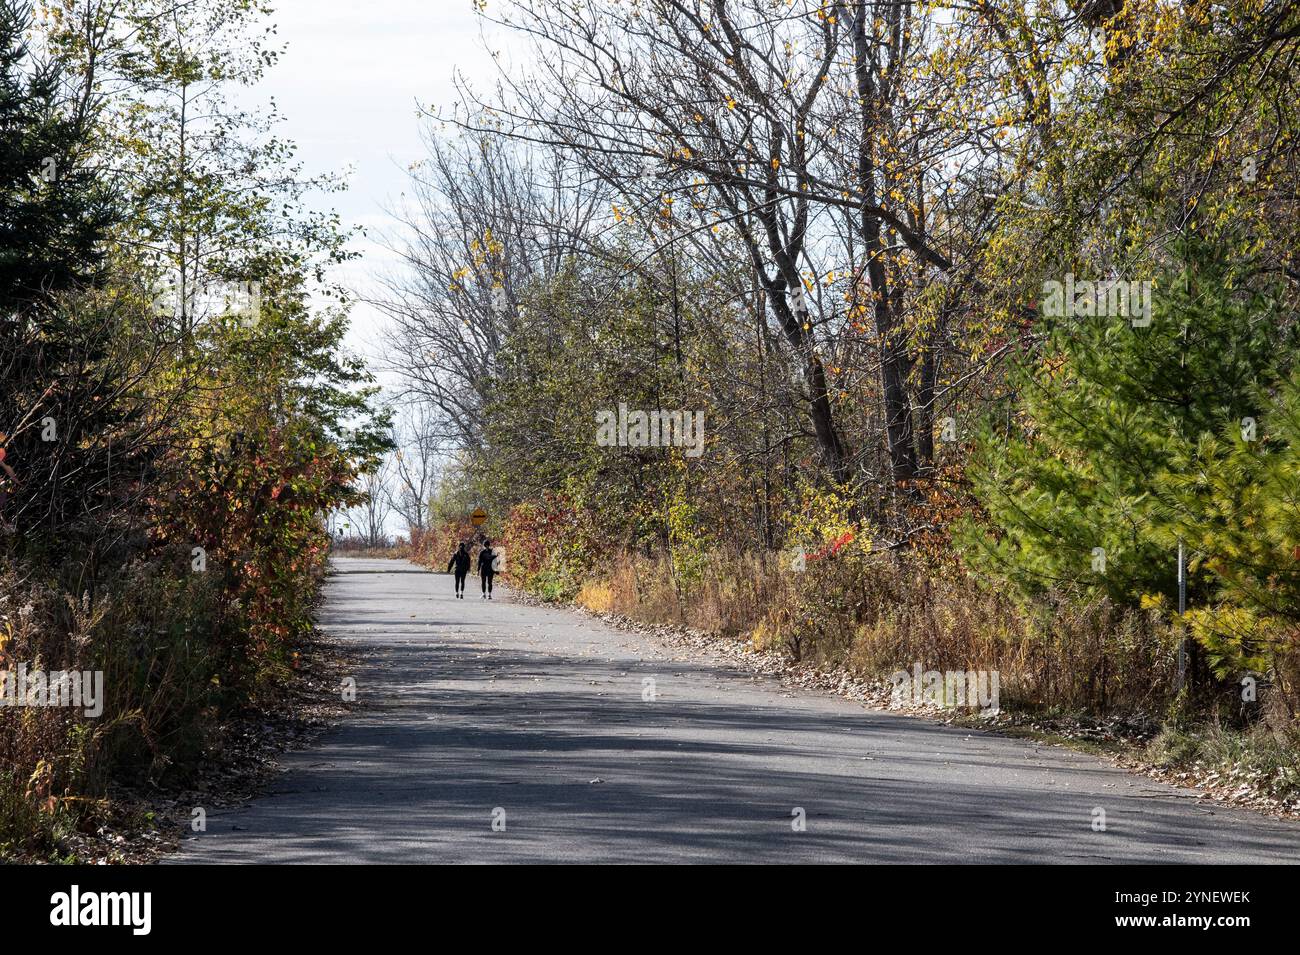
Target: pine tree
(1238, 493)
(53, 209)
(61, 372)
(1079, 483)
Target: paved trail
(474, 707)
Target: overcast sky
(348, 85)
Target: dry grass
(874, 616)
(597, 596)
(347, 548)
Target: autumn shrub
(43, 755)
(191, 593)
(552, 546)
(432, 547)
(872, 615)
(178, 650)
(250, 519)
(148, 632)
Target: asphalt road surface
(497, 732)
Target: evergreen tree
(61, 365)
(53, 211)
(1079, 483)
(1238, 496)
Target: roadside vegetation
(987, 310)
(176, 418)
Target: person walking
(460, 561)
(486, 558)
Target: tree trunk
(894, 358)
(820, 411)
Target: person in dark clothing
(486, 557)
(460, 561)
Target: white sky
(348, 85)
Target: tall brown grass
(875, 615)
(169, 646)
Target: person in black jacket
(486, 557)
(460, 560)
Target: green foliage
(128, 441)
(1107, 413)
(1239, 497)
(54, 210)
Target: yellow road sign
(479, 517)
